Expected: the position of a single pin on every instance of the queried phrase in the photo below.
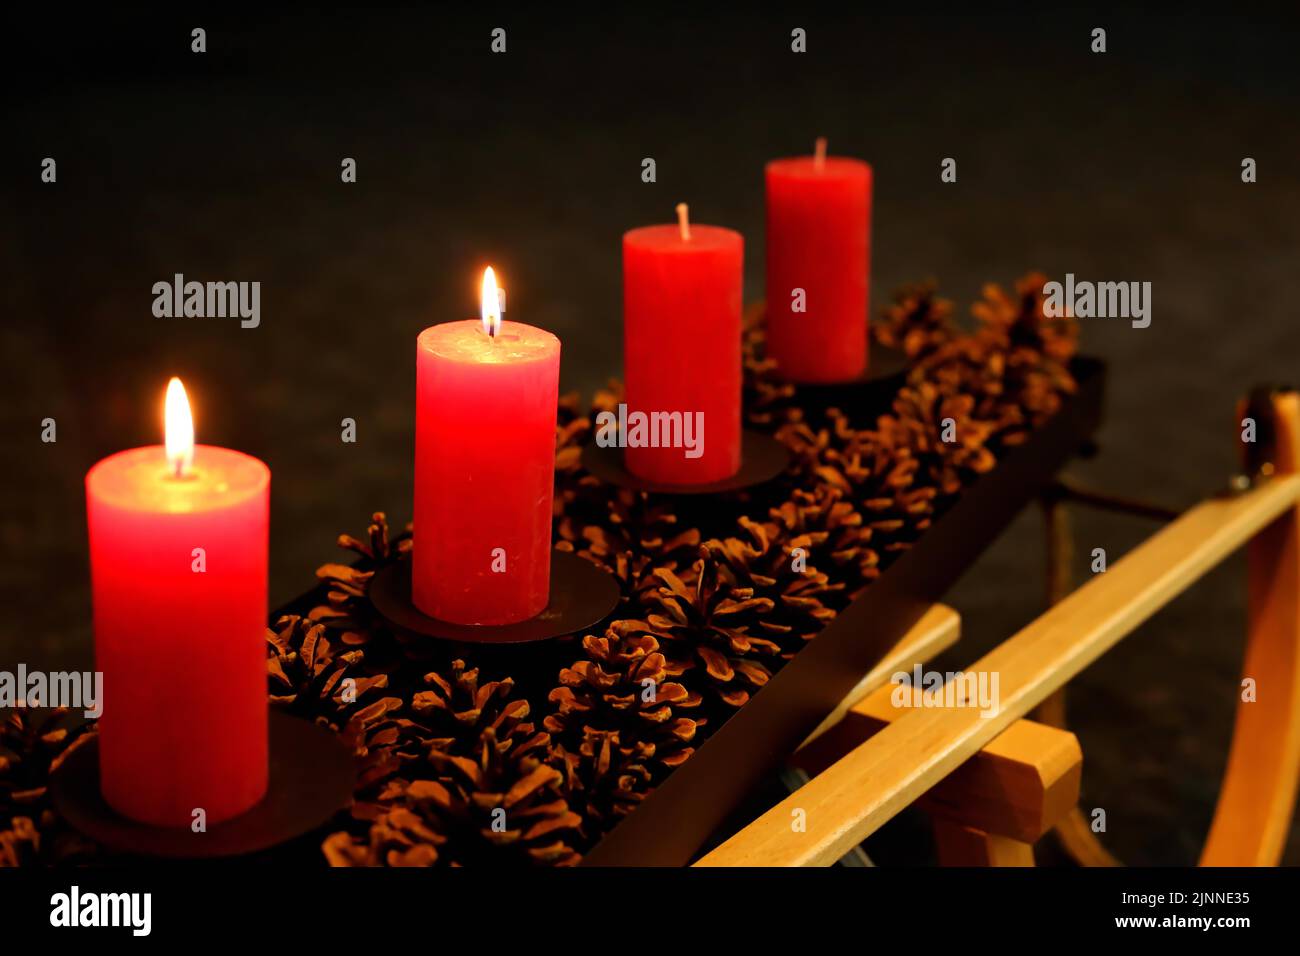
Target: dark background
(225, 166)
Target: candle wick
(684, 221)
(819, 152)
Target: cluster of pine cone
(461, 767)
(32, 743)
(712, 606)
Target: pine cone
(877, 472)
(629, 533)
(572, 431)
(619, 724)
(974, 366)
(389, 735)
(1023, 325)
(703, 627)
(385, 743)
(831, 532)
(459, 709)
(479, 792)
(765, 564)
(309, 676)
(767, 402)
(20, 842)
(1016, 364)
(348, 610)
(917, 322)
(926, 417)
(470, 795)
(398, 837)
(807, 449)
(502, 808)
(32, 743)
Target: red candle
(818, 262)
(681, 351)
(486, 395)
(178, 550)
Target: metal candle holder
(871, 391)
(762, 458)
(868, 393)
(311, 779)
(582, 595)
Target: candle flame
(178, 429)
(490, 307)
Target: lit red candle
(178, 552)
(485, 417)
(818, 263)
(681, 348)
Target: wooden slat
(851, 799)
(1258, 793)
(1020, 785)
(936, 631)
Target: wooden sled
(995, 785)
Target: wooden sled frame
(995, 784)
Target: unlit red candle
(818, 263)
(485, 418)
(682, 349)
(178, 557)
